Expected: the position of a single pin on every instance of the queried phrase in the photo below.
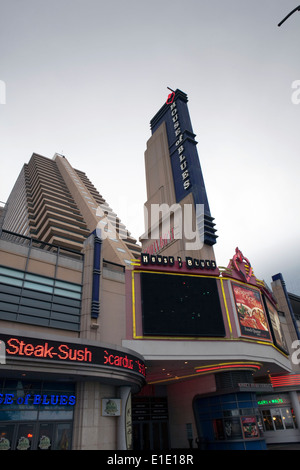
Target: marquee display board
(180, 305)
(65, 352)
(186, 169)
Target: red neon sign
(240, 258)
(171, 97)
(34, 348)
(285, 380)
(63, 352)
(229, 366)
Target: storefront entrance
(229, 421)
(150, 436)
(35, 436)
(36, 415)
(150, 426)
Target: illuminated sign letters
(37, 349)
(182, 161)
(63, 352)
(11, 398)
(190, 263)
(185, 164)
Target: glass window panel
(58, 300)
(277, 419)
(39, 287)
(10, 298)
(34, 312)
(67, 285)
(233, 428)
(8, 316)
(287, 418)
(11, 281)
(6, 435)
(8, 307)
(63, 435)
(35, 303)
(45, 436)
(146, 445)
(164, 435)
(18, 415)
(10, 289)
(53, 415)
(246, 411)
(25, 436)
(11, 272)
(66, 309)
(267, 420)
(156, 436)
(39, 279)
(218, 429)
(67, 293)
(30, 294)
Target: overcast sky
(84, 78)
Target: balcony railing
(41, 245)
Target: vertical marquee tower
(175, 181)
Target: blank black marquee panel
(176, 305)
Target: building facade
(109, 345)
(66, 380)
(211, 336)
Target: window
(39, 300)
(287, 418)
(277, 419)
(267, 420)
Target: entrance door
(36, 436)
(6, 436)
(45, 436)
(25, 435)
(150, 435)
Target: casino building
(211, 337)
(107, 345)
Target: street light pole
(293, 11)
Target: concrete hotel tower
(55, 203)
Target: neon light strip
(229, 366)
(133, 303)
(285, 380)
(208, 370)
(226, 308)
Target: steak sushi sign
(38, 349)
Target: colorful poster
(250, 428)
(251, 314)
(276, 327)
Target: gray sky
(84, 78)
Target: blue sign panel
(187, 173)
